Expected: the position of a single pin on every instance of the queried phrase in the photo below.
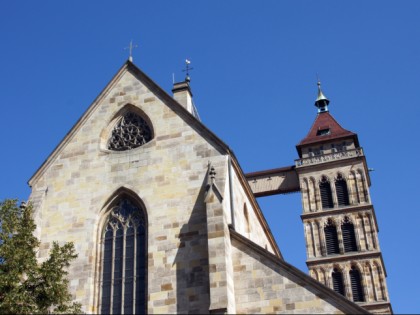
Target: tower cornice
(347, 257)
(352, 256)
(337, 211)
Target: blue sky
(254, 84)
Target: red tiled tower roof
(325, 128)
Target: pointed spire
(321, 101)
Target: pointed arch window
(331, 238)
(131, 131)
(356, 285)
(337, 280)
(123, 280)
(342, 191)
(349, 236)
(326, 194)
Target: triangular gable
(154, 88)
(184, 114)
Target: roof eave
(325, 140)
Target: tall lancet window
(326, 194)
(356, 285)
(124, 269)
(342, 192)
(130, 132)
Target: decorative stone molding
(324, 158)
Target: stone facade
(209, 248)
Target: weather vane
(130, 48)
(187, 70)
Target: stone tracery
(131, 131)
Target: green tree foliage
(26, 286)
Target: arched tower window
(337, 280)
(342, 191)
(326, 194)
(124, 255)
(356, 285)
(130, 132)
(331, 238)
(349, 236)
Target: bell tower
(339, 220)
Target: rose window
(131, 132)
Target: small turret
(321, 101)
(182, 92)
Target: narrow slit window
(247, 224)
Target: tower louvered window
(326, 195)
(342, 192)
(123, 279)
(331, 239)
(338, 283)
(349, 236)
(356, 285)
(130, 132)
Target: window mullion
(114, 236)
(135, 269)
(101, 267)
(123, 269)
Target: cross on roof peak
(130, 48)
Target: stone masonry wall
(167, 174)
(261, 286)
(246, 219)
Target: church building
(164, 220)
